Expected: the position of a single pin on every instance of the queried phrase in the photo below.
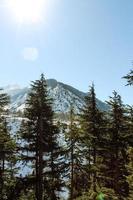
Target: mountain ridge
(63, 96)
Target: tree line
(90, 156)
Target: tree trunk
(40, 161)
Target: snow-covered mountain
(63, 97)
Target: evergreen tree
(130, 125)
(76, 178)
(118, 143)
(130, 151)
(7, 150)
(130, 171)
(129, 78)
(41, 148)
(91, 133)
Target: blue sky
(77, 42)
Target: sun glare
(27, 11)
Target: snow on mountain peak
(11, 87)
(63, 97)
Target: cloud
(30, 53)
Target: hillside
(63, 97)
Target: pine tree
(91, 132)
(39, 134)
(118, 143)
(130, 151)
(7, 151)
(55, 166)
(130, 125)
(129, 78)
(76, 178)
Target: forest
(88, 157)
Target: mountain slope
(63, 97)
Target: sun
(27, 11)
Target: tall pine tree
(76, 175)
(118, 144)
(91, 131)
(40, 145)
(7, 150)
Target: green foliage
(129, 78)
(96, 162)
(130, 171)
(41, 148)
(74, 157)
(105, 139)
(7, 151)
(27, 196)
(119, 136)
(92, 127)
(103, 194)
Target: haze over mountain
(63, 97)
